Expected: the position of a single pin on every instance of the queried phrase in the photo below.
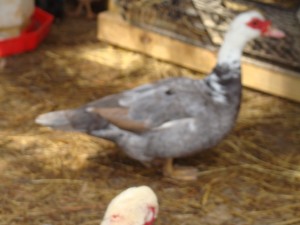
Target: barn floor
(56, 178)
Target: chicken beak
(274, 33)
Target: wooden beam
(270, 79)
(278, 82)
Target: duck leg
(182, 173)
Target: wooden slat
(113, 29)
(283, 83)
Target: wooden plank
(114, 30)
(280, 83)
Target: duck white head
(245, 27)
(134, 206)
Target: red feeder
(30, 37)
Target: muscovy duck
(174, 117)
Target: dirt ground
(57, 178)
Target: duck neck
(231, 51)
(224, 82)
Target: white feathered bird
(134, 206)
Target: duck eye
(254, 23)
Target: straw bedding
(52, 177)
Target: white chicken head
(134, 206)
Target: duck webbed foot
(179, 173)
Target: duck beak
(274, 33)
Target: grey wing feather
(167, 100)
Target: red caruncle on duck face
(262, 25)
